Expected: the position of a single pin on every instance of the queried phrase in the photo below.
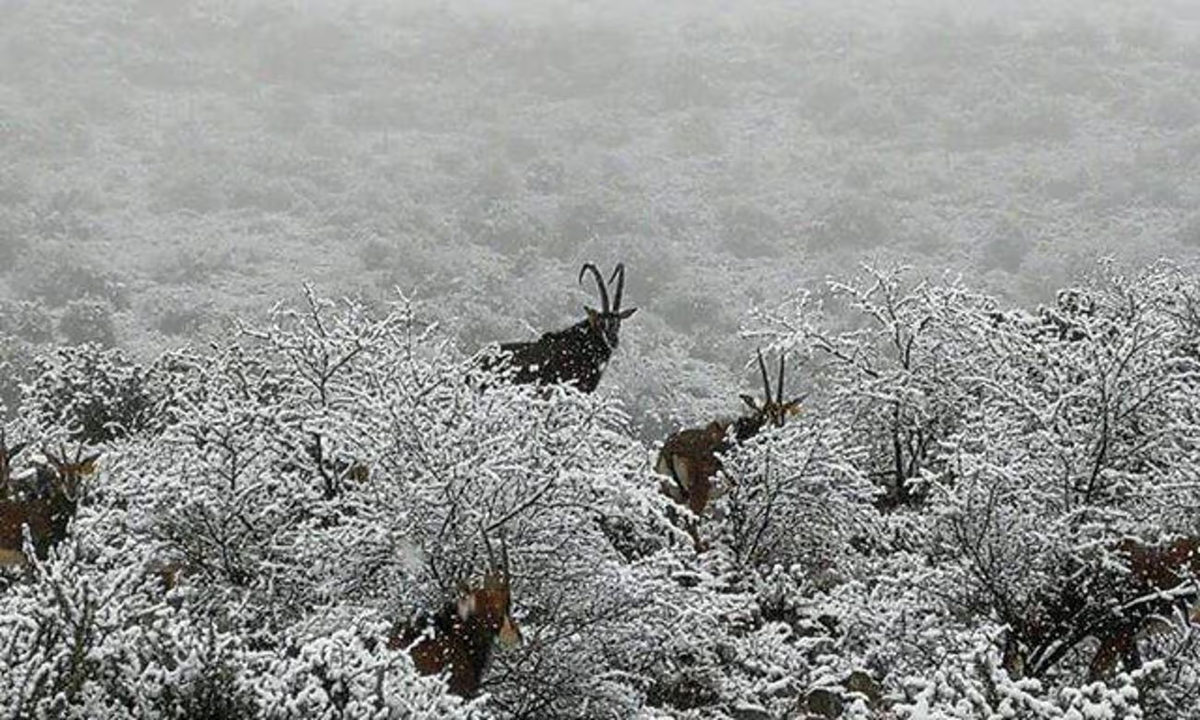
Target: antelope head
(492, 603)
(46, 517)
(65, 476)
(773, 410)
(458, 640)
(607, 320)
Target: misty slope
(185, 162)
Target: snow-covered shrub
(88, 636)
(796, 496)
(972, 683)
(1028, 444)
(251, 490)
(887, 369)
(95, 395)
(307, 487)
(339, 676)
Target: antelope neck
(592, 337)
(745, 428)
(62, 509)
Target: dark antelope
(458, 639)
(579, 353)
(691, 458)
(1115, 606)
(47, 518)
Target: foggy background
(168, 166)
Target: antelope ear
(750, 401)
(625, 314)
(87, 466)
(593, 317)
(510, 634)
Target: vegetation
(958, 471)
(982, 508)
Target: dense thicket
(957, 465)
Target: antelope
(458, 638)
(691, 458)
(1114, 606)
(47, 518)
(577, 354)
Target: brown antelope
(47, 518)
(1116, 606)
(577, 354)
(458, 639)
(691, 458)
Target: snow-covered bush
(95, 395)
(328, 461)
(1028, 444)
(281, 504)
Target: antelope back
(1045, 632)
(1161, 568)
(1152, 569)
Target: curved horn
(504, 559)
(762, 366)
(56, 461)
(488, 545)
(619, 274)
(13, 451)
(779, 387)
(604, 306)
